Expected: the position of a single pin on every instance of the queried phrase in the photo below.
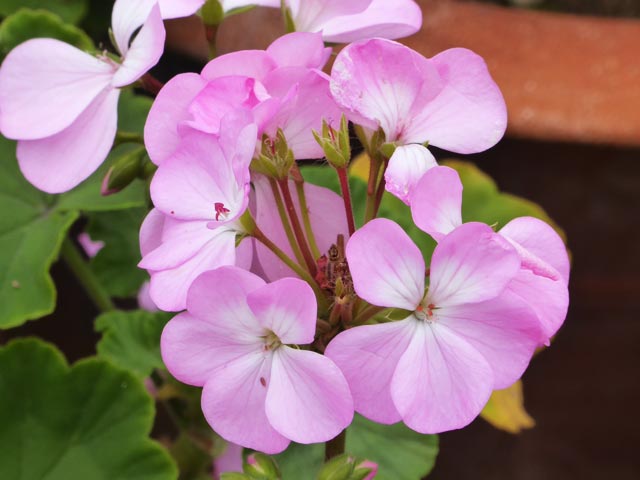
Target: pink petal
(244, 63)
(469, 115)
(541, 240)
(169, 109)
(179, 8)
(386, 266)
(145, 51)
(471, 264)
(192, 348)
(300, 49)
(504, 330)
(169, 287)
(126, 17)
(90, 247)
(441, 382)
(382, 18)
(233, 402)
(145, 302)
(406, 166)
(549, 299)
(219, 297)
(368, 356)
(378, 82)
(195, 178)
(229, 461)
(308, 399)
(45, 85)
(288, 308)
(436, 202)
(151, 231)
(310, 15)
(58, 163)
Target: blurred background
(570, 73)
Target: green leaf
(88, 421)
(26, 24)
(400, 453)
(116, 264)
(131, 340)
(71, 11)
(132, 112)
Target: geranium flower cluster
(293, 318)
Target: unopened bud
(212, 12)
(338, 468)
(124, 170)
(261, 467)
(365, 470)
(335, 143)
(276, 158)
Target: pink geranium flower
(238, 339)
(342, 22)
(281, 87)
(200, 192)
(61, 103)
(436, 207)
(462, 338)
(449, 100)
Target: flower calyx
(275, 159)
(335, 143)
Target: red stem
(151, 84)
(346, 196)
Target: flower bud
(338, 468)
(261, 467)
(365, 470)
(212, 12)
(336, 144)
(124, 170)
(276, 158)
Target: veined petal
(58, 163)
(179, 8)
(471, 264)
(386, 266)
(169, 110)
(549, 299)
(469, 115)
(436, 202)
(168, 288)
(45, 85)
(126, 17)
(441, 382)
(406, 166)
(192, 349)
(308, 399)
(300, 49)
(144, 52)
(288, 308)
(541, 240)
(244, 63)
(368, 356)
(504, 330)
(219, 297)
(310, 15)
(233, 402)
(382, 18)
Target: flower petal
(151, 231)
(233, 402)
(471, 264)
(436, 202)
(300, 49)
(288, 308)
(244, 63)
(504, 330)
(541, 240)
(368, 356)
(308, 399)
(228, 461)
(441, 382)
(45, 85)
(193, 348)
(169, 109)
(144, 52)
(469, 115)
(310, 15)
(179, 8)
(58, 163)
(126, 18)
(386, 266)
(382, 18)
(406, 166)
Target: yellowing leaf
(505, 410)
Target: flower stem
(85, 276)
(346, 197)
(304, 208)
(297, 228)
(335, 446)
(285, 221)
(372, 189)
(151, 84)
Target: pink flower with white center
(462, 339)
(449, 100)
(60, 103)
(238, 339)
(282, 87)
(343, 22)
(436, 207)
(200, 192)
